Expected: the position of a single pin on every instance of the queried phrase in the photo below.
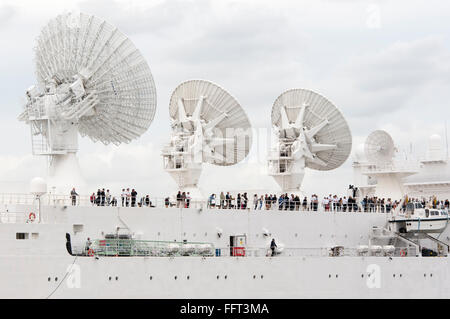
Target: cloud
(404, 66)
(394, 77)
(7, 13)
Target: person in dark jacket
(133, 197)
(273, 246)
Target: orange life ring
(402, 253)
(32, 217)
(91, 252)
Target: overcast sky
(384, 64)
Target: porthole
(400, 275)
(56, 278)
(151, 277)
(254, 276)
(226, 277)
(296, 235)
(362, 275)
(424, 275)
(187, 277)
(217, 277)
(159, 233)
(193, 234)
(206, 234)
(262, 276)
(336, 275)
(393, 275)
(117, 278)
(49, 279)
(109, 278)
(329, 276)
(431, 275)
(175, 277)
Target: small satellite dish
(92, 80)
(379, 147)
(311, 132)
(208, 126)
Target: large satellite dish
(379, 147)
(91, 80)
(224, 124)
(311, 132)
(208, 126)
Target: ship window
(21, 235)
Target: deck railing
(249, 205)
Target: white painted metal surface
(208, 126)
(311, 132)
(92, 80)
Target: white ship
(93, 81)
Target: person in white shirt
(325, 203)
(128, 197)
(108, 197)
(188, 199)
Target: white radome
(38, 186)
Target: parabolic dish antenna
(91, 80)
(311, 132)
(321, 122)
(208, 126)
(224, 126)
(379, 147)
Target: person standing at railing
(344, 204)
(188, 199)
(245, 201)
(261, 200)
(108, 197)
(273, 246)
(92, 199)
(167, 202)
(179, 199)
(133, 197)
(103, 196)
(123, 196)
(183, 200)
(128, 197)
(98, 198)
(255, 202)
(222, 200)
(73, 195)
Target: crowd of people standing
(292, 202)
